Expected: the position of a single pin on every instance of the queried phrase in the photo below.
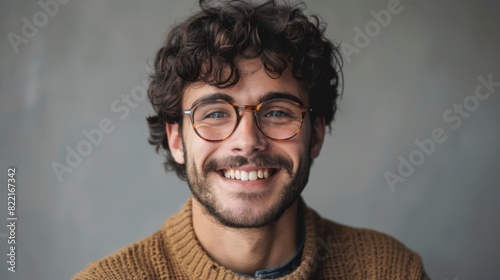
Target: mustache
(257, 160)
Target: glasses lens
(214, 120)
(280, 119)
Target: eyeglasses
(216, 120)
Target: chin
(245, 210)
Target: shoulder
(135, 261)
(369, 253)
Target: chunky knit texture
(331, 251)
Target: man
(243, 93)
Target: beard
(203, 190)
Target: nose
(247, 139)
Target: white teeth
(246, 175)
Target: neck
(247, 250)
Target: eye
(276, 113)
(278, 110)
(215, 111)
(215, 115)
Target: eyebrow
(212, 97)
(268, 96)
(280, 95)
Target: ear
(317, 136)
(175, 142)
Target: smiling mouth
(242, 175)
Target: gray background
(429, 57)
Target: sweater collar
(185, 248)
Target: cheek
(297, 149)
(190, 145)
(303, 142)
(198, 151)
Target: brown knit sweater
(331, 251)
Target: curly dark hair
(210, 42)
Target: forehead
(254, 83)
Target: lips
(246, 175)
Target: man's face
(283, 164)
